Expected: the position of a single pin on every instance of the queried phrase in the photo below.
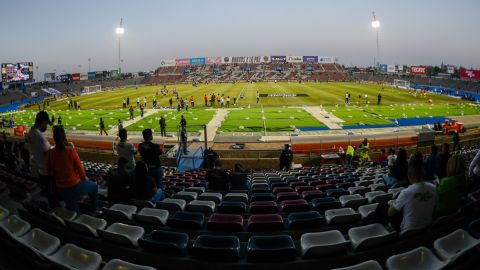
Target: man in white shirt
(126, 149)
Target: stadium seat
(370, 236)
(117, 264)
(282, 189)
(186, 220)
(289, 206)
(63, 213)
(40, 241)
(185, 195)
(345, 185)
(263, 207)
(198, 190)
(379, 187)
(394, 191)
(341, 216)
(14, 226)
(151, 216)
(87, 225)
(228, 207)
(271, 248)
(216, 247)
(323, 243)
(325, 187)
(353, 200)
(358, 190)
(301, 189)
(364, 183)
(256, 197)
(171, 243)
(368, 265)
(120, 211)
(172, 204)
(367, 210)
(236, 197)
(336, 192)
(225, 222)
(283, 196)
(210, 196)
(474, 228)
(378, 196)
(454, 245)
(322, 204)
(201, 206)
(419, 258)
(305, 220)
(3, 213)
(123, 234)
(71, 256)
(265, 223)
(310, 195)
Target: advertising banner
(399, 68)
(450, 69)
(470, 73)
(294, 59)
(99, 74)
(391, 69)
(278, 59)
(214, 60)
(167, 63)
(91, 75)
(418, 70)
(264, 59)
(49, 77)
(83, 76)
(326, 59)
(182, 62)
(310, 59)
(114, 73)
(197, 61)
(75, 76)
(383, 68)
(226, 59)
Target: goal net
(92, 89)
(401, 84)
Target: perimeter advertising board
(326, 59)
(197, 61)
(214, 60)
(469, 73)
(418, 70)
(294, 59)
(75, 76)
(182, 62)
(167, 63)
(83, 76)
(310, 59)
(278, 59)
(92, 75)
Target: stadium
(275, 160)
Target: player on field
(163, 126)
(205, 99)
(102, 127)
(258, 97)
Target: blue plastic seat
(230, 207)
(186, 220)
(262, 197)
(172, 243)
(336, 192)
(305, 220)
(216, 247)
(271, 248)
(322, 204)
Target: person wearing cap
(286, 158)
(39, 147)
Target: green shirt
(450, 193)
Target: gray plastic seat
(368, 265)
(186, 195)
(87, 225)
(367, 210)
(419, 258)
(341, 216)
(210, 196)
(15, 226)
(123, 234)
(369, 236)
(172, 204)
(452, 246)
(379, 187)
(201, 206)
(117, 264)
(152, 216)
(40, 242)
(358, 190)
(3, 213)
(120, 211)
(394, 191)
(323, 243)
(236, 197)
(63, 213)
(353, 200)
(198, 190)
(378, 196)
(71, 256)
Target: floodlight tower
(120, 30)
(376, 25)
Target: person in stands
(144, 187)
(456, 141)
(443, 158)
(286, 158)
(382, 158)
(451, 189)
(398, 171)
(151, 153)
(238, 178)
(391, 157)
(65, 167)
(119, 182)
(217, 178)
(126, 150)
(431, 165)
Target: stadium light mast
(120, 31)
(376, 25)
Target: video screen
(17, 72)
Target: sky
(61, 35)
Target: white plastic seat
(87, 225)
(236, 197)
(369, 236)
(185, 195)
(368, 265)
(452, 246)
(394, 191)
(210, 196)
(379, 187)
(419, 258)
(123, 234)
(40, 242)
(367, 210)
(358, 190)
(323, 243)
(364, 183)
(172, 204)
(353, 200)
(152, 216)
(63, 213)
(15, 226)
(73, 257)
(117, 264)
(201, 206)
(120, 211)
(198, 190)
(341, 216)
(3, 213)
(378, 196)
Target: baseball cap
(42, 116)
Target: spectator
(126, 150)
(238, 178)
(364, 149)
(217, 178)
(65, 167)
(382, 158)
(119, 181)
(150, 153)
(286, 158)
(210, 158)
(430, 164)
(391, 157)
(183, 139)
(452, 187)
(144, 187)
(474, 170)
(442, 160)
(349, 155)
(398, 172)
(163, 126)
(456, 141)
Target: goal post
(92, 89)
(401, 84)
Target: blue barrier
(313, 128)
(14, 106)
(446, 91)
(420, 121)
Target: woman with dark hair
(452, 187)
(398, 172)
(65, 167)
(144, 187)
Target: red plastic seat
(225, 222)
(283, 196)
(289, 206)
(301, 189)
(282, 189)
(263, 207)
(310, 195)
(264, 223)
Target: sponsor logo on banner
(182, 62)
(83, 76)
(470, 73)
(265, 59)
(450, 69)
(294, 59)
(75, 76)
(326, 59)
(383, 68)
(167, 63)
(226, 60)
(391, 69)
(399, 68)
(310, 59)
(214, 60)
(197, 61)
(278, 59)
(418, 70)
(283, 95)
